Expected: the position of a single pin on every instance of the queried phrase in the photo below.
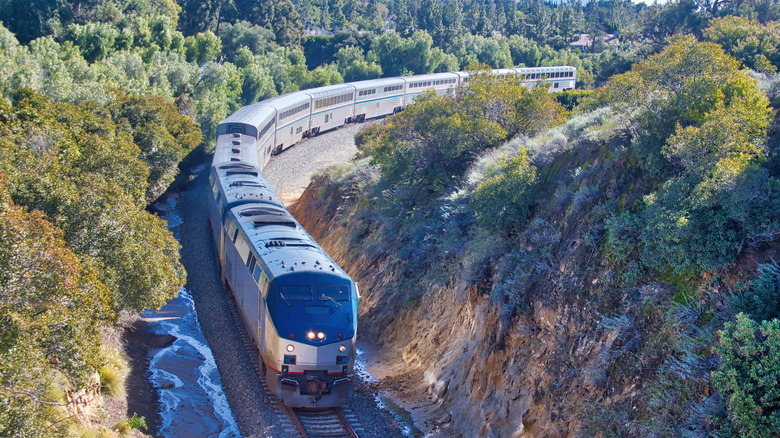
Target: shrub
(111, 380)
(762, 300)
(124, 427)
(501, 202)
(748, 376)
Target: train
(299, 306)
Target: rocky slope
(581, 354)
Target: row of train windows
(429, 83)
(558, 74)
(333, 100)
(266, 128)
(386, 90)
(292, 111)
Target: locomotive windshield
(295, 293)
(333, 293)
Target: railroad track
(322, 423)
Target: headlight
(320, 336)
(291, 348)
(311, 336)
(341, 348)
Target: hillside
(582, 280)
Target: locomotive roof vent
(236, 166)
(234, 159)
(272, 219)
(236, 142)
(263, 211)
(247, 184)
(240, 172)
(236, 150)
(236, 134)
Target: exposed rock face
(84, 405)
(528, 376)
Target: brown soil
(406, 388)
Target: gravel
(290, 173)
(256, 412)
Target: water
(385, 402)
(185, 373)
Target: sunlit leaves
(83, 170)
(51, 308)
(428, 147)
(753, 43)
(701, 127)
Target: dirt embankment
(539, 374)
(526, 377)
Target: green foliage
(242, 34)
(572, 98)
(415, 55)
(126, 426)
(761, 301)
(429, 147)
(747, 377)
(202, 47)
(700, 126)
(501, 202)
(755, 44)
(86, 174)
(51, 307)
(164, 136)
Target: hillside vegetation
(608, 273)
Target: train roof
(243, 183)
(504, 71)
(545, 69)
(330, 90)
(286, 100)
(372, 83)
(280, 241)
(254, 114)
(429, 77)
(232, 148)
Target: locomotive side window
(295, 293)
(333, 293)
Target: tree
(404, 23)
(700, 126)
(429, 18)
(257, 39)
(51, 310)
(747, 40)
(95, 40)
(203, 47)
(747, 377)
